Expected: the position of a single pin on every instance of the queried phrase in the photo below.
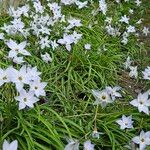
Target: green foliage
(69, 111)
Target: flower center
(142, 140)
(20, 78)
(103, 97)
(36, 87)
(17, 49)
(4, 78)
(126, 123)
(25, 99)
(141, 102)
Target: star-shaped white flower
(33, 74)
(18, 60)
(81, 4)
(54, 44)
(139, 21)
(76, 37)
(73, 23)
(102, 97)
(131, 29)
(4, 75)
(38, 88)
(146, 73)
(128, 62)
(10, 146)
(2, 36)
(26, 99)
(138, 2)
(143, 140)
(103, 6)
(108, 20)
(44, 42)
(72, 145)
(87, 46)
(131, 11)
(113, 91)
(46, 58)
(19, 77)
(17, 48)
(67, 2)
(125, 122)
(96, 134)
(133, 72)
(145, 31)
(124, 19)
(142, 102)
(88, 145)
(67, 40)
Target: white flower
(124, 40)
(18, 60)
(108, 20)
(96, 134)
(26, 99)
(125, 122)
(103, 6)
(4, 76)
(17, 48)
(128, 62)
(44, 42)
(131, 11)
(88, 145)
(45, 30)
(17, 24)
(131, 29)
(1, 36)
(46, 58)
(74, 23)
(87, 46)
(133, 71)
(113, 92)
(81, 4)
(72, 145)
(124, 19)
(24, 10)
(142, 102)
(145, 31)
(76, 37)
(102, 97)
(112, 31)
(19, 77)
(38, 88)
(33, 74)
(139, 21)
(104, 48)
(38, 7)
(67, 40)
(63, 19)
(54, 44)
(10, 146)
(14, 13)
(68, 2)
(117, 1)
(143, 140)
(9, 29)
(125, 34)
(54, 6)
(146, 73)
(138, 2)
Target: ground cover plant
(74, 75)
